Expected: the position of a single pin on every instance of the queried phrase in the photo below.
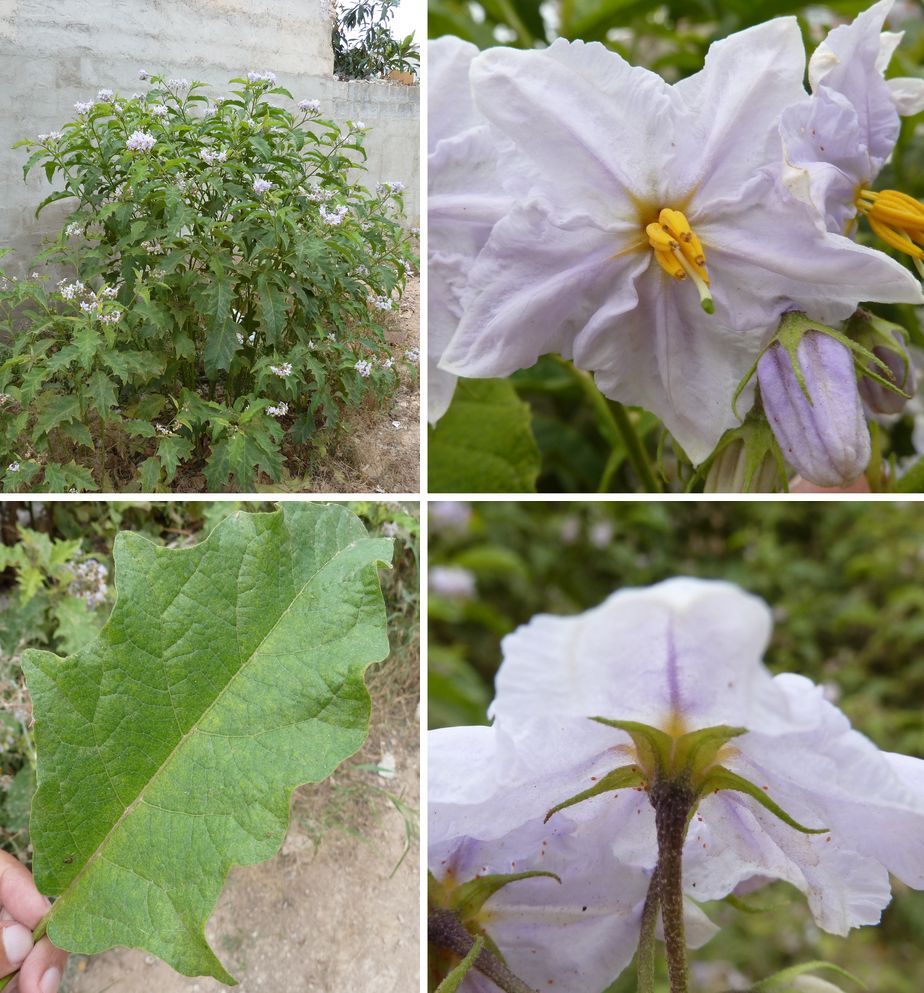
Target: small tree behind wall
(364, 46)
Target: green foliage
(199, 726)
(228, 280)
(579, 452)
(364, 47)
(845, 581)
(483, 443)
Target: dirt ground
(333, 912)
(375, 454)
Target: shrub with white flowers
(208, 290)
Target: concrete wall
(56, 52)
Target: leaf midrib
(100, 848)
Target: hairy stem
(616, 426)
(672, 801)
(645, 957)
(445, 931)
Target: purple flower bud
(877, 397)
(827, 440)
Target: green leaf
(454, 980)
(55, 409)
(220, 343)
(168, 749)
(484, 442)
(101, 391)
(171, 451)
(149, 473)
(272, 310)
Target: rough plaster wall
(56, 52)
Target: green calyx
(465, 900)
(690, 761)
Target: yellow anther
(679, 252)
(897, 219)
(659, 239)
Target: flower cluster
(261, 186)
(599, 720)
(363, 367)
(310, 106)
(262, 77)
(89, 582)
(381, 302)
(282, 370)
(696, 218)
(392, 186)
(140, 141)
(159, 110)
(278, 410)
(334, 216)
(83, 107)
(210, 157)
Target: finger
(18, 894)
(42, 970)
(15, 945)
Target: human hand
(40, 965)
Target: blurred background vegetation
(846, 583)
(577, 453)
(57, 590)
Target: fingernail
(51, 980)
(17, 943)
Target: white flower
(412, 355)
(262, 77)
(282, 370)
(73, 229)
(70, 291)
(683, 656)
(162, 429)
(83, 108)
(280, 410)
(104, 96)
(140, 141)
(356, 125)
(658, 209)
(334, 216)
(461, 161)
(178, 84)
(331, 336)
(211, 158)
(312, 106)
(389, 529)
(388, 363)
(260, 186)
(13, 467)
(452, 581)
(159, 110)
(382, 302)
(363, 367)
(392, 186)
(142, 74)
(110, 292)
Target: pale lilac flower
(601, 534)
(279, 410)
(262, 77)
(104, 96)
(391, 186)
(178, 84)
(452, 581)
(390, 529)
(159, 110)
(823, 436)
(681, 656)
(140, 141)
(356, 125)
(312, 106)
(382, 302)
(334, 216)
(162, 429)
(142, 74)
(388, 363)
(110, 292)
(13, 467)
(363, 367)
(83, 108)
(282, 370)
(412, 355)
(616, 177)
(210, 158)
(331, 336)
(72, 230)
(260, 186)
(573, 934)
(70, 291)
(836, 143)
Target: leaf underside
(228, 674)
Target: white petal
(595, 127)
(732, 107)
(907, 94)
(450, 108)
(533, 287)
(684, 648)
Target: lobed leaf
(168, 749)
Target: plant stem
(672, 801)
(445, 931)
(645, 957)
(616, 426)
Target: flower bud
(743, 466)
(880, 399)
(820, 428)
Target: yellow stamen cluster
(680, 253)
(898, 219)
